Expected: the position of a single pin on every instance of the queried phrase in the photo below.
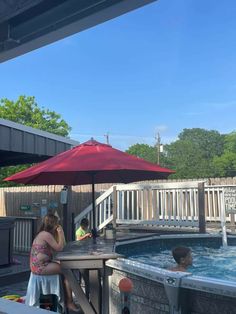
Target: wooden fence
(150, 204)
(182, 204)
(14, 200)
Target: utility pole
(158, 145)
(107, 137)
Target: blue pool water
(217, 263)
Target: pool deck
(14, 277)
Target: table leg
(95, 289)
(85, 276)
(105, 290)
(83, 301)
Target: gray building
(21, 144)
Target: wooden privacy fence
(148, 204)
(13, 198)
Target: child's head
(84, 223)
(182, 255)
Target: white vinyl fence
(24, 233)
(167, 204)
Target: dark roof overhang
(26, 25)
(21, 144)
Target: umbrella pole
(94, 230)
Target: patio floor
(14, 278)
(15, 273)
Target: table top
(88, 250)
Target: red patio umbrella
(89, 163)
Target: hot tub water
(211, 262)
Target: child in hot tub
(183, 257)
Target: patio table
(89, 258)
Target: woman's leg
(70, 304)
(54, 268)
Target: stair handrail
(89, 208)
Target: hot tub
(158, 291)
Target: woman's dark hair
(84, 222)
(180, 252)
(49, 224)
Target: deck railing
(153, 204)
(104, 211)
(167, 204)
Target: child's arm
(82, 237)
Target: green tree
(144, 151)
(149, 153)
(192, 154)
(209, 143)
(230, 142)
(8, 171)
(26, 111)
(225, 165)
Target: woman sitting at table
(48, 240)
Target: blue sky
(167, 66)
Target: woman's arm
(56, 245)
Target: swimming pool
(158, 290)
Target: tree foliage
(197, 153)
(26, 111)
(225, 164)
(230, 142)
(192, 154)
(144, 151)
(8, 171)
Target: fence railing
(167, 204)
(104, 211)
(214, 203)
(153, 204)
(24, 232)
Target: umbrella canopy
(89, 163)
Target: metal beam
(68, 26)
(55, 18)
(11, 8)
